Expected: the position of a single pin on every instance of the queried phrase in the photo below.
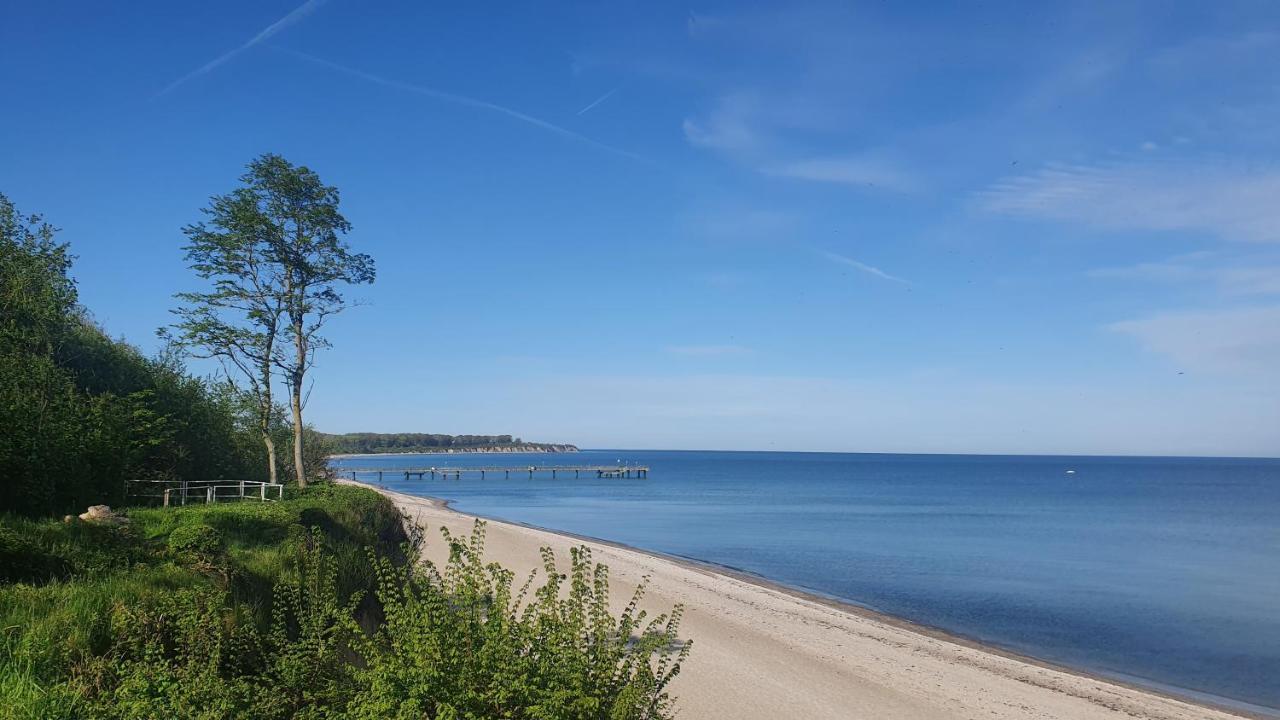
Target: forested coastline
(81, 413)
(388, 443)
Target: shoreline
(1134, 691)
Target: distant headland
(417, 443)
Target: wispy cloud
(467, 102)
(1253, 275)
(707, 350)
(1185, 266)
(1240, 341)
(294, 16)
(1232, 202)
(597, 101)
(861, 266)
(729, 128)
(856, 171)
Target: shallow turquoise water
(1165, 570)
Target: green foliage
(325, 622)
(464, 643)
(316, 450)
(237, 321)
(197, 541)
(81, 413)
(62, 636)
(359, 443)
(274, 252)
(37, 552)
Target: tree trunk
(295, 402)
(265, 410)
(271, 454)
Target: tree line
(358, 443)
(82, 413)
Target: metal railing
(210, 491)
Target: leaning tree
(274, 250)
(238, 320)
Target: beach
(765, 651)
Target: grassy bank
(306, 608)
(70, 589)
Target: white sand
(769, 653)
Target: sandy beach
(766, 652)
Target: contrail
(297, 14)
(598, 100)
(834, 257)
(467, 101)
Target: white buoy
(1071, 472)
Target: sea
(1158, 571)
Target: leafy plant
(197, 541)
(465, 643)
(314, 612)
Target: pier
(443, 473)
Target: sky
(1002, 227)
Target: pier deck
(601, 471)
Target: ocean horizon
(1161, 571)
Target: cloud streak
(861, 266)
(597, 101)
(1228, 201)
(294, 16)
(1254, 275)
(465, 101)
(854, 171)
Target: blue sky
(872, 227)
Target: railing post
(208, 495)
(241, 489)
(166, 497)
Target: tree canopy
(82, 413)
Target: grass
(62, 586)
(307, 609)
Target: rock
(68, 519)
(103, 514)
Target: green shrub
(196, 541)
(464, 643)
(315, 623)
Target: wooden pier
(601, 471)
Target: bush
(197, 541)
(458, 644)
(466, 644)
(315, 623)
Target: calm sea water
(1159, 570)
